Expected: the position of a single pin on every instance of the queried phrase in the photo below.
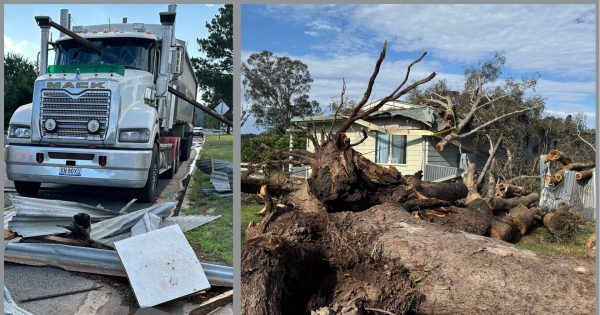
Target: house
(400, 135)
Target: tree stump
(523, 217)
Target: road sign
(221, 108)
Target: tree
(277, 87)
(215, 71)
(347, 234)
(19, 77)
(488, 109)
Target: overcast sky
(22, 35)
(344, 41)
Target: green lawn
(215, 238)
(247, 216)
(538, 239)
(225, 152)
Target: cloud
(557, 39)
(9, 46)
(210, 5)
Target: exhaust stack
(44, 23)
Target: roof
(423, 114)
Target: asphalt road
(27, 281)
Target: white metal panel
(161, 266)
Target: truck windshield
(131, 53)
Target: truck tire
(186, 148)
(148, 192)
(27, 188)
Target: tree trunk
(507, 204)
(556, 155)
(502, 228)
(523, 217)
(398, 263)
(471, 183)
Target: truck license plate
(70, 171)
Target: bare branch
(338, 109)
(579, 135)
(301, 157)
(494, 120)
(363, 139)
(489, 160)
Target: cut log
(422, 204)
(556, 155)
(547, 219)
(523, 217)
(584, 174)
(573, 167)
(591, 242)
(475, 219)
(442, 191)
(551, 180)
(511, 191)
(502, 228)
(507, 204)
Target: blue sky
(344, 41)
(22, 35)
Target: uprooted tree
(359, 231)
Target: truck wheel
(186, 147)
(27, 188)
(148, 192)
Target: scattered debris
(149, 222)
(60, 234)
(58, 294)
(221, 174)
(210, 191)
(38, 217)
(161, 266)
(10, 307)
(214, 303)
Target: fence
(436, 172)
(580, 195)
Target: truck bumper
(124, 168)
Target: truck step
(162, 170)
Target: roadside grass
(247, 216)
(214, 239)
(538, 239)
(225, 152)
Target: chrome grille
(72, 112)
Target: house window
(390, 148)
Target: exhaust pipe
(167, 20)
(64, 20)
(44, 23)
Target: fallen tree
(357, 231)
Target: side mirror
(177, 59)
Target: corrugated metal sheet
(435, 172)
(186, 223)
(92, 260)
(220, 165)
(579, 194)
(220, 180)
(149, 222)
(10, 307)
(121, 223)
(37, 217)
(210, 191)
(426, 115)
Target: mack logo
(85, 85)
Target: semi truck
(102, 114)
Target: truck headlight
(138, 135)
(19, 132)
